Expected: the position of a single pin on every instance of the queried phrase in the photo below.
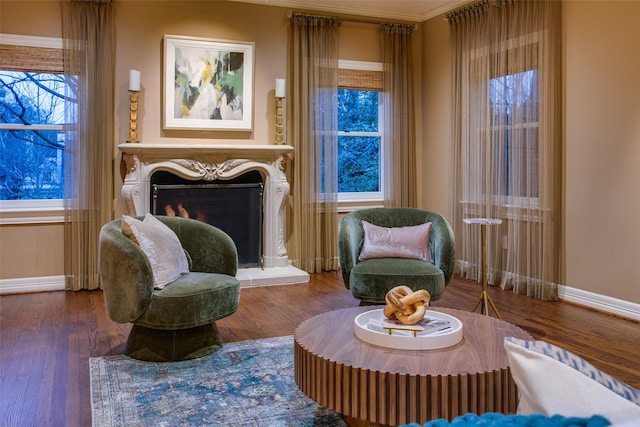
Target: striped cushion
(552, 381)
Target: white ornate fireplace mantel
(217, 161)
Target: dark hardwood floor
(46, 339)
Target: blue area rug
(248, 383)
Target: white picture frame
(207, 84)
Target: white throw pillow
(396, 242)
(161, 246)
(553, 381)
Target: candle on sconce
(280, 125)
(280, 88)
(134, 80)
(134, 89)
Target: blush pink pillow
(396, 242)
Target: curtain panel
(506, 131)
(313, 67)
(88, 29)
(399, 123)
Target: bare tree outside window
(32, 121)
(514, 115)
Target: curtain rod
(465, 9)
(353, 19)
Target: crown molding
(351, 9)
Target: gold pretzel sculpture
(405, 305)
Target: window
(360, 133)
(32, 122)
(513, 102)
(359, 142)
(506, 99)
(31, 135)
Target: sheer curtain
(313, 61)
(89, 58)
(399, 125)
(507, 141)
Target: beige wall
(437, 191)
(601, 221)
(602, 147)
(40, 18)
(31, 250)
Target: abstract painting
(208, 84)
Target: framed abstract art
(208, 84)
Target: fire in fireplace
(234, 206)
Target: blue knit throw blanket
(493, 419)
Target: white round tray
(374, 328)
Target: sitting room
(305, 173)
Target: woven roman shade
(360, 79)
(29, 58)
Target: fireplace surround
(209, 162)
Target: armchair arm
(442, 244)
(125, 274)
(350, 238)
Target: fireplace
(220, 165)
(234, 206)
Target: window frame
(369, 196)
(31, 205)
(507, 202)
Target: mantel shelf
(187, 150)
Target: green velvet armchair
(369, 280)
(178, 321)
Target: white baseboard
(600, 302)
(290, 275)
(31, 284)
(247, 276)
(577, 296)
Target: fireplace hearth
(219, 165)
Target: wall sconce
(134, 89)
(280, 95)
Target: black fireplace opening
(233, 205)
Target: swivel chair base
(155, 345)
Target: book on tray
(427, 326)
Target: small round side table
(484, 300)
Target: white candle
(279, 88)
(134, 80)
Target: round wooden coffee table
(370, 384)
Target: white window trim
(15, 126)
(18, 212)
(46, 207)
(31, 41)
(360, 65)
(374, 196)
